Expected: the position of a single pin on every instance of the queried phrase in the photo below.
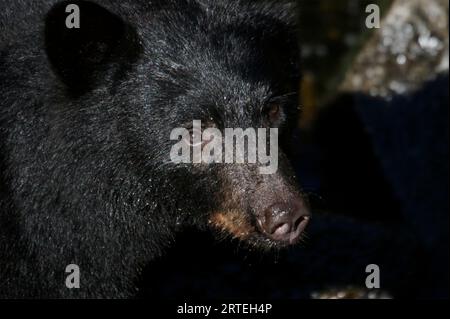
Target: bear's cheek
(234, 223)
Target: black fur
(85, 119)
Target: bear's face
(193, 77)
(238, 198)
(238, 74)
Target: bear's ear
(83, 54)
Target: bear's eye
(272, 112)
(196, 137)
(275, 108)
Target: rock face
(410, 47)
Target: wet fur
(85, 175)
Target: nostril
(298, 221)
(300, 224)
(281, 229)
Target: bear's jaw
(233, 223)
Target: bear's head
(187, 81)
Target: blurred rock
(351, 293)
(410, 48)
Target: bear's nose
(284, 222)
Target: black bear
(86, 114)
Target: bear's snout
(284, 221)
